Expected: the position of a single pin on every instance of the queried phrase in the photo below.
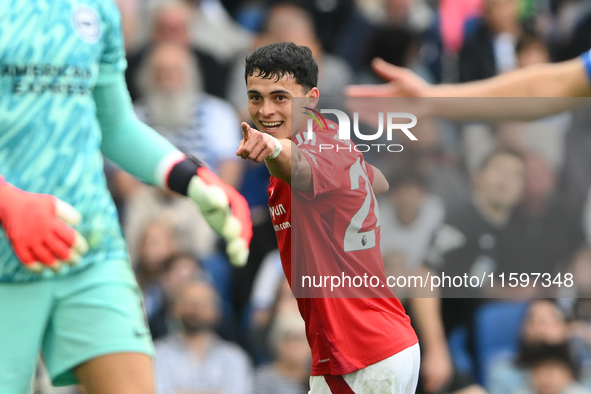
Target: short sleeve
(586, 58)
(370, 172)
(112, 60)
(324, 164)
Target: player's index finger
(245, 131)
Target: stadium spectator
(545, 137)
(385, 19)
(576, 175)
(552, 370)
(170, 23)
(214, 32)
(453, 15)
(409, 216)
(531, 49)
(256, 183)
(490, 49)
(436, 157)
(266, 288)
(195, 122)
(544, 323)
(197, 360)
(473, 240)
(177, 270)
(157, 243)
(571, 29)
(581, 270)
(156, 246)
(413, 14)
(267, 303)
(579, 311)
(396, 45)
(130, 20)
(289, 372)
(333, 22)
(549, 223)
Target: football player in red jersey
(361, 340)
(555, 87)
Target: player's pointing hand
(257, 146)
(245, 134)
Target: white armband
(278, 148)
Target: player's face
(501, 182)
(269, 103)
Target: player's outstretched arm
(38, 227)
(283, 158)
(565, 79)
(557, 81)
(144, 153)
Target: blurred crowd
(511, 196)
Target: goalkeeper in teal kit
(66, 287)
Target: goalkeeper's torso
(50, 55)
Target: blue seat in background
(497, 328)
(457, 342)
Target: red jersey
(335, 233)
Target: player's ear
(312, 97)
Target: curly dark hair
(274, 61)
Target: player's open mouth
(271, 126)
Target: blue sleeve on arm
(131, 144)
(586, 57)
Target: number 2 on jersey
(355, 239)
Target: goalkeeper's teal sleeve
(134, 146)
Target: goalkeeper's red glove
(38, 228)
(223, 207)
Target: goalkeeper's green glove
(223, 207)
(38, 228)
